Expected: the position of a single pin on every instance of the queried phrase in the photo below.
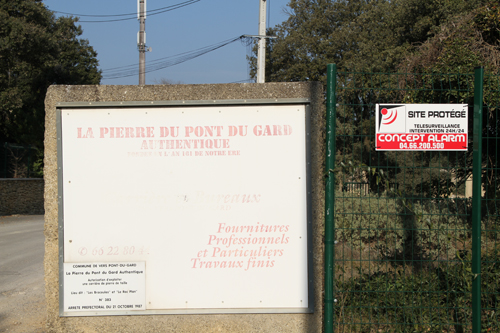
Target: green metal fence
(490, 206)
(18, 161)
(406, 255)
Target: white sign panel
(421, 126)
(212, 198)
(113, 286)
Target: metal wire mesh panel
(403, 251)
(490, 207)
(18, 161)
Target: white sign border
(148, 104)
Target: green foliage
(37, 171)
(437, 299)
(37, 50)
(400, 303)
(364, 220)
(402, 229)
(438, 227)
(487, 21)
(374, 35)
(424, 174)
(442, 38)
(461, 43)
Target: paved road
(22, 302)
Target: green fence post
(476, 199)
(330, 194)
(29, 159)
(5, 160)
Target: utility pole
(261, 51)
(141, 40)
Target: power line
(132, 15)
(125, 71)
(128, 14)
(155, 65)
(159, 60)
(173, 7)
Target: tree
(373, 35)
(382, 36)
(460, 45)
(36, 51)
(166, 81)
(315, 34)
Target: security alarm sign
(421, 127)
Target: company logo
(391, 119)
(389, 116)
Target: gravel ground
(22, 310)
(22, 290)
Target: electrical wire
(132, 15)
(161, 63)
(128, 14)
(200, 50)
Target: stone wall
(283, 322)
(21, 196)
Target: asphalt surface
(22, 298)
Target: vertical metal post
(141, 42)
(330, 194)
(29, 159)
(476, 199)
(5, 160)
(261, 51)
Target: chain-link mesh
(490, 207)
(18, 161)
(402, 218)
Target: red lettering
(274, 130)
(88, 135)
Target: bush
(434, 300)
(411, 229)
(363, 220)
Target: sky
(199, 24)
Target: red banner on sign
(398, 141)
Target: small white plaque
(105, 286)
